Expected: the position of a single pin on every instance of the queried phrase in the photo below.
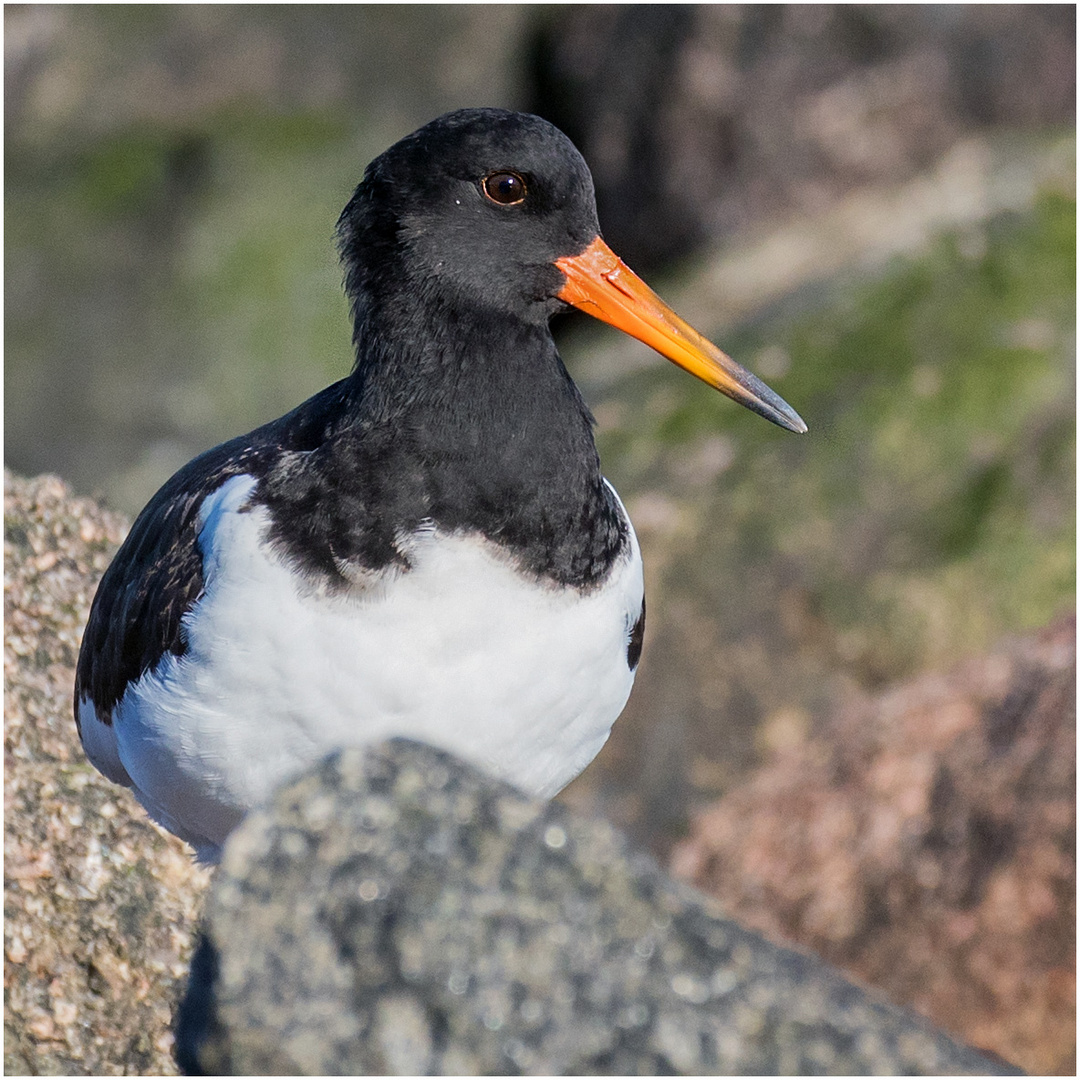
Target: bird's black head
(472, 209)
(484, 218)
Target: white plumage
(521, 677)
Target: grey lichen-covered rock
(397, 912)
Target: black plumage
(427, 547)
(458, 411)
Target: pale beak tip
(785, 417)
(796, 423)
(769, 404)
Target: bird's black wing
(157, 574)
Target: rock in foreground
(397, 912)
(100, 905)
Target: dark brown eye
(505, 188)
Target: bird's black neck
(464, 418)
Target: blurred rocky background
(872, 207)
(924, 840)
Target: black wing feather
(157, 574)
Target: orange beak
(599, 282)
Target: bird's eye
(505, 188)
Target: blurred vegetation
(929, 510)
(940, 462)
(201, 291)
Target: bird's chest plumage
(522, 677)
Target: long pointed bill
(599, 282)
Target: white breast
(462, 651)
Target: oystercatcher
(426, 548)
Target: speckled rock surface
(99, 905)
(397, 912)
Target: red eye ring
(504, 188)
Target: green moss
(931, 506)
(123, 175)
(201, 288)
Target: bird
(426, 548)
